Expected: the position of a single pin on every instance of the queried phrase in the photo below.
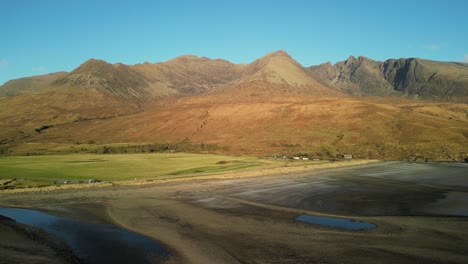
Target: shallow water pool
(93, 243)
(342, 223)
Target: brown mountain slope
(271, 106)
(319, 126)
(118, 80)
(21, 116)
(81, 94)
(29, 84)
(417, 78)
(188, 75)
(185, 75)
(278, 73)
(277, 67)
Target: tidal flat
(253, 219)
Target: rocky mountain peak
(351, 59)
(117, 79)
(278, 53)
(92, 64)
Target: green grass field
(44, 170)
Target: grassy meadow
(30, 171)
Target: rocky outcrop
(417, 78)
(428, 79)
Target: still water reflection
(336, 222)
(93, 243)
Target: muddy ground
(252, 220)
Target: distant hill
(415, 78)
(29, 84)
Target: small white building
(348, 156)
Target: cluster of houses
(346, 157)
(76, 181)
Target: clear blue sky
(42, 36)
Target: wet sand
(252, 219)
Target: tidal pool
(93, 243)
(336, 222)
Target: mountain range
(398, 109)
(417, 78)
